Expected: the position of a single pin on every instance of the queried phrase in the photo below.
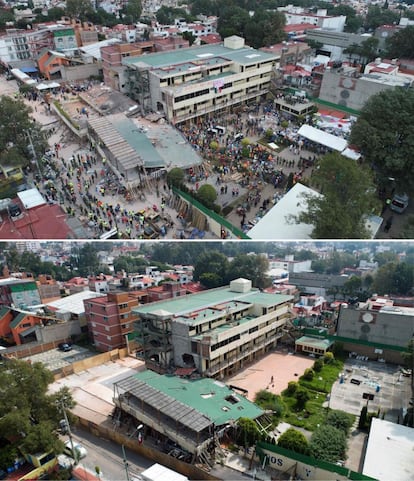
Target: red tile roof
(41, 222)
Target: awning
(323, 138)
(29, 69)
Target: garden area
(305, 404)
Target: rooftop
(389, 453)
(197, 56)
(216, 298)
(200, 402)
(73, 303)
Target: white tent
(278, 224)
(323, 138)
(45, 86)
(351, 154)
(31, 198)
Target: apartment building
(192, 82)
(321, 19)
(110, 319)
(20, 293)
(215, 332)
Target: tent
(320, 137)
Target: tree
(328, 443)
(175, 177)
(253, 267)
(400, 45)
(309, 374)
(377, 16)
(134, 9)
(348, 195)
(247, 433)
(363, 418)
(187, 35)
(78, 9)
(29, 415)
(207, 195)
(302, 397)
(264, 28)
(211, 261)
(14, 140)
(294, 440)
(394, 278)
(270, 402)
(388, 151)
(232, 21)
(340, 420)
(85, 259)
(352, 286)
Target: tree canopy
(14, 141)
(134, 9)
(78, 9)
(29, 415)
(400, 45)
(294, 440)
(328, 443)
(348, 195)
(384, 132)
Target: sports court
(283, 366)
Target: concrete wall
(347, 91)
(189, 470)
(80, 72)
(182, 343)
(384, 328)
(63, 330)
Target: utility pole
(65, 416)
(126, 464)
(33, 151)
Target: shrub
(328, 443)
(302, 396)
(175, 177)
(309, 374)
(294, 440)
(292, 387)
(340, 420)
(318, 365)
(328, 358)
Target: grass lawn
(314, 413)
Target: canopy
(44, 85)
(351, 154)
(323, 138)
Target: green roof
(4, 311)
(212, 297)
(23, 286)
(207, 396)
(140, 143)
(315, 342)
(17, 320)
(245, 55)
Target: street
(108, 456)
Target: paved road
(108, 456)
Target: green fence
(309, 331)
(317, 463)
(210, 214)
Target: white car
(78, 451)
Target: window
(123, 306)
(105, 318)
(106, 328)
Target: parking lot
(390, 390)
(56, 359)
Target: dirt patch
(273, 373)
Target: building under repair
(195, 414)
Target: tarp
(44, 85)
(320, 137)
(351, 154)
(28, 69)
(31, 198)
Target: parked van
(221, 130)
(399, 203)
(238, 137)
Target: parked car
(78, 451)
(64, 346)
(399, 203)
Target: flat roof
(324, 138)
(197, 403)
(389, 453)
(212, 297)
(315, 342)
(31, 198)
(199, 55)
(74, 303)
(276, 224)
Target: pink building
(110, 319)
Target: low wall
(189, 470)
(87, 363)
